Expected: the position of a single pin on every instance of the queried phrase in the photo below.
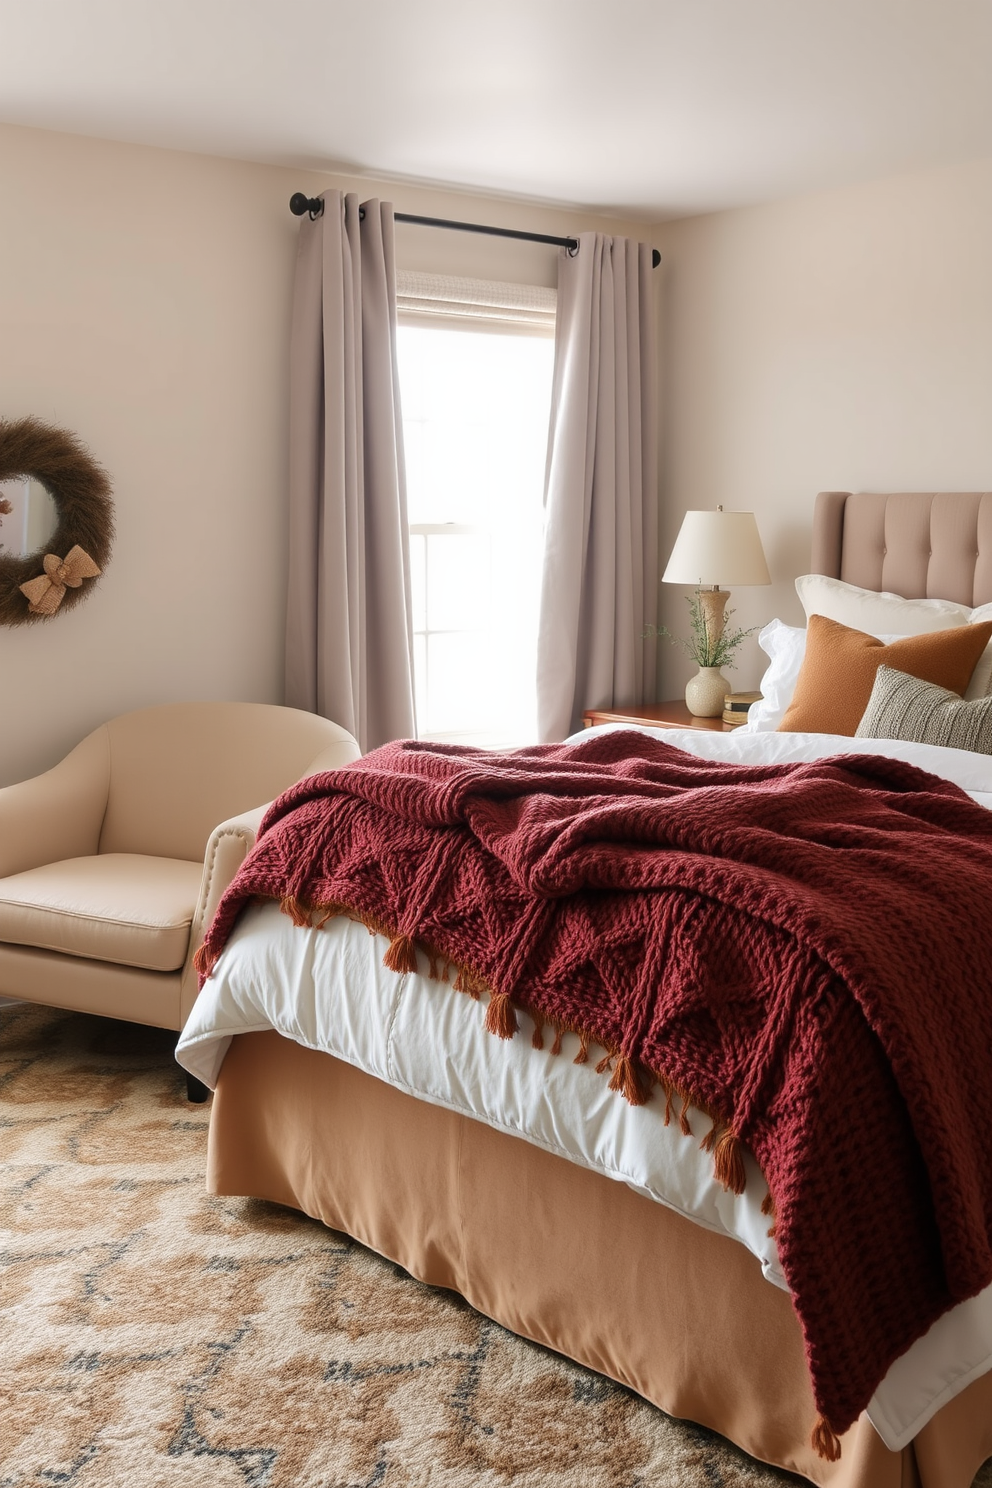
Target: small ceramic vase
(705, 692)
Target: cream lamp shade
(714, 548)
(717, 547)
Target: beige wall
(144, 303)
(836, 340)
(841, 340)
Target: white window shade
(476, 302)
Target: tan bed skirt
(573, 1260)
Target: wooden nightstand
(673, 714)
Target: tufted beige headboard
(920, 544)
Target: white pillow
(981, 678)
(785, 647)
(864, 609)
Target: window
(476, 392)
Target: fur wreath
(81, 492)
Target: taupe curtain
(600, 580)
(349, 631)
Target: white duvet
(328, 990)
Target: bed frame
(597, 1272)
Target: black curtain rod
(300, 203)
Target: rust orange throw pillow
(838, 671)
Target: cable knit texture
(798, 948)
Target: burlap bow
(47, 591)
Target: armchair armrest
(227, 847)
(58, 814)
(342, 752)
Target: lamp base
(705, 692)
(712, 604)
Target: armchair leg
(196, 1091)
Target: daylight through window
(476, 405)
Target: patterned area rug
(154, 1337)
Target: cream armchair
(113, 862)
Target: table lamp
(714, 548)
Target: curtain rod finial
(299, 203)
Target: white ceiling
(652, 108)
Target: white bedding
(418, 1036)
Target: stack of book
(735, 706)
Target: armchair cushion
(120, 907)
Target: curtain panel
(600, 578)
(349, 628)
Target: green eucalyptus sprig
(703, 650)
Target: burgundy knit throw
(800, 949)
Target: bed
(677, 1308)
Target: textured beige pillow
(903, 707)
(838, 670)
